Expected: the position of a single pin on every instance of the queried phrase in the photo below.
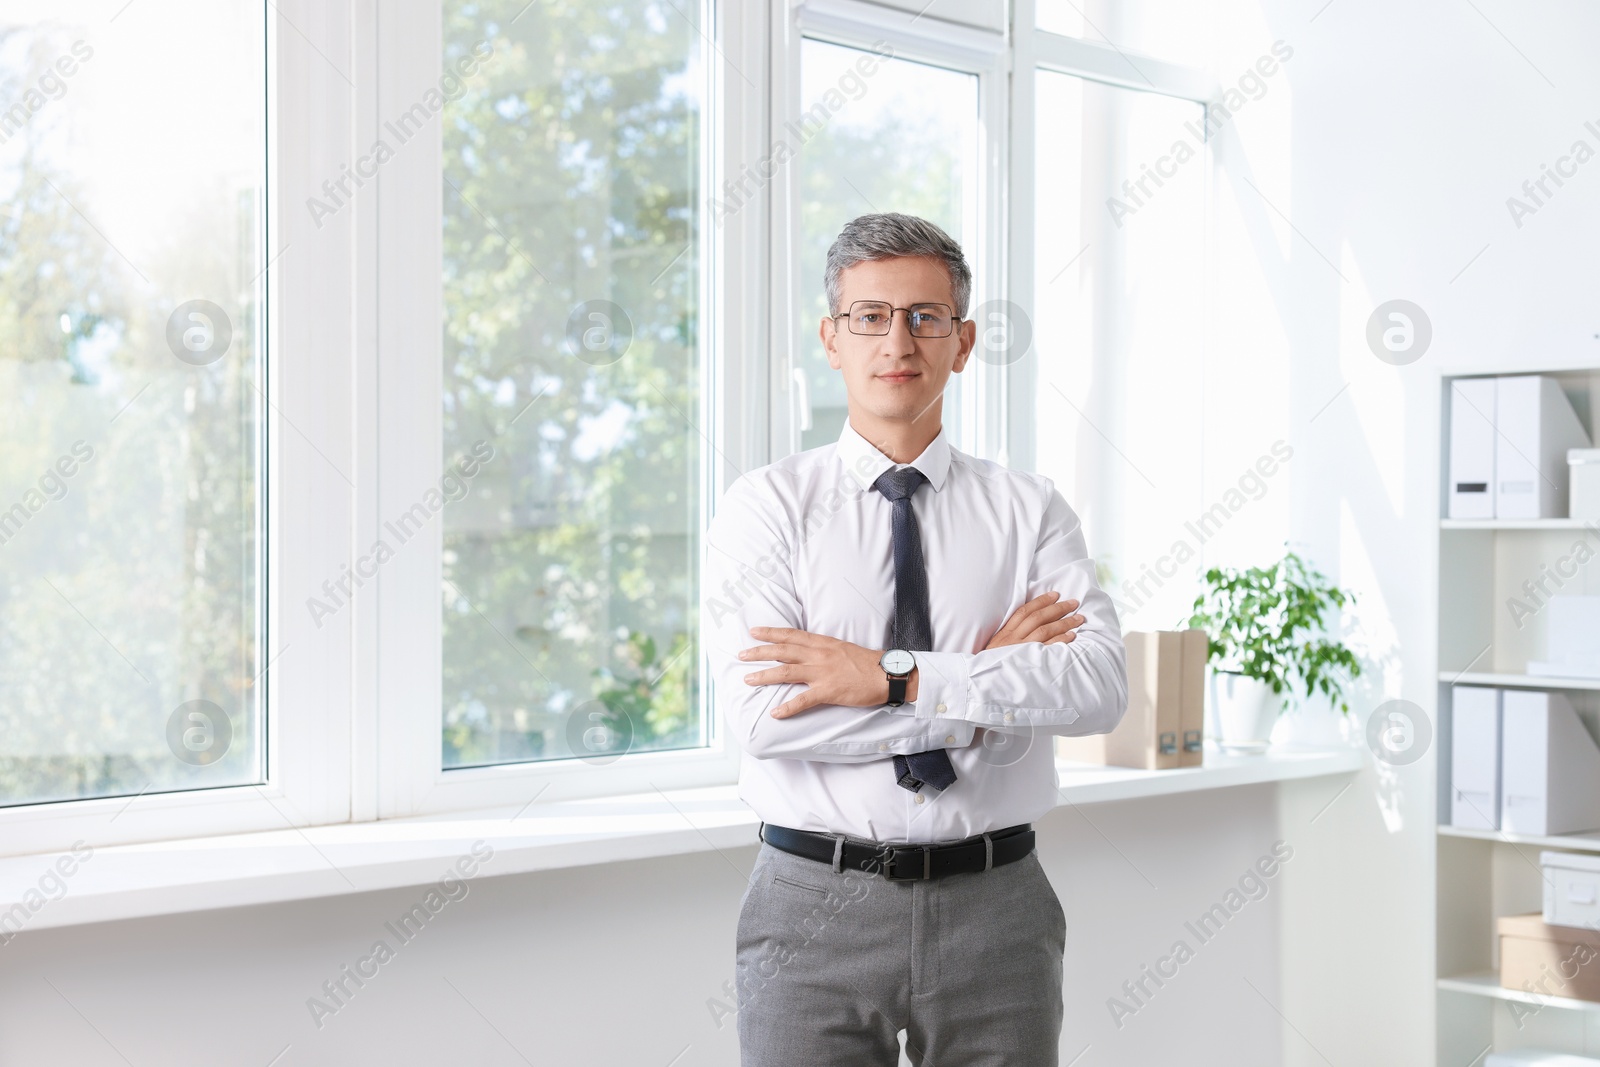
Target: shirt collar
(864, 463)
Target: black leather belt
(905, 862)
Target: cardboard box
(1557, 961)
(1149, 735)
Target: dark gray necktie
(913, 627)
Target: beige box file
(1149, 736)
(1192, 715)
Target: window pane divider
(1107, 63)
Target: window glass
(1178, 31)
(132, 169)
(1120, 207)
(572, 352)
(876, 135)
(1065, 17)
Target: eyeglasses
(873, 318)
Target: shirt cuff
(942, 686)
(938, 735)
(945, 691)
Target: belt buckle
(893, 865)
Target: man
(887, 622)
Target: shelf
(1514, 524)
(1589, 842)
(168, 877)
(1518, 681)
(1487, 984)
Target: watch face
(897, 661)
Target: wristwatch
(898, 664)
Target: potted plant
(1267, 637)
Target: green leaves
(1268, 623)
(655, 698)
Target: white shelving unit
(1483, 874)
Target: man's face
(896, 376)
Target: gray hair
(888, 235)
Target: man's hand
(835, 671)
(1040, 619)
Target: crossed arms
(791, 694)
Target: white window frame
(405, 319)
(970, 49)
(354, 370)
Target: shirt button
(920, 798)
(883, 746)
(950, 740)
(941, 707)
(1008, 716)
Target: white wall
(1393, 145)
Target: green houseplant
(1267, 637)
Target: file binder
(1549, 766)
(1534, 427)
(1475, 758)
(1472, 451)
(1192, 702)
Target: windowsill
(169, 877)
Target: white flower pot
(1316, 725)
(1247, 709)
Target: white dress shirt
(807, 543)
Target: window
(546, 435)
(1120, 282)
(572, 351)
(543, 280)
(132, 385)
(878, 134)
(1180, 31)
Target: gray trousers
(830, 967)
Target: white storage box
(1532, 1057)
(1571, 889)
(1572, 638)
(1584, 488)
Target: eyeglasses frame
(925, 337)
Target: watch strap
(897, 690)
